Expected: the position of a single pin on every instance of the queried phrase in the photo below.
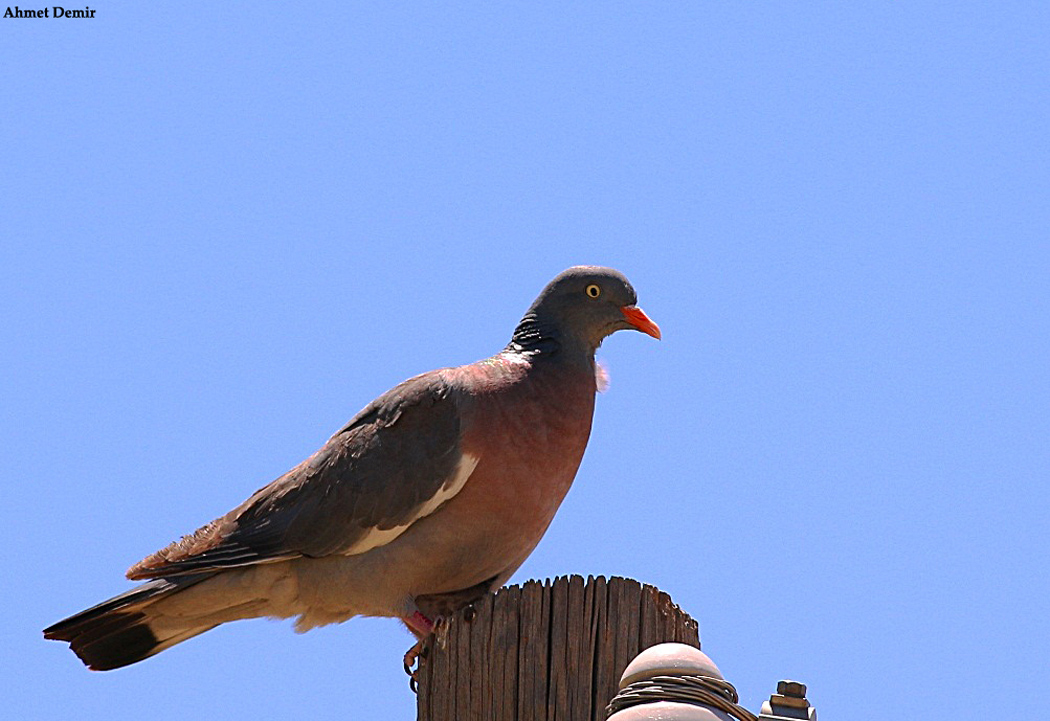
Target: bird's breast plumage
(528, 425)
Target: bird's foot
(419, 624)
(441, 631)
(426, 630)
(418, 653)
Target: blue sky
(227, 227)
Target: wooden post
(550, 651)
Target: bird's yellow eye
(593, 290)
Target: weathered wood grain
(550, 651)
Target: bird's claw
(418, 653)
(440, 632)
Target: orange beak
(637, 317)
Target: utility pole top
(545, 651)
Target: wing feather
(396, 461)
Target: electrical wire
(697, 690)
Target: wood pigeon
(428, 499)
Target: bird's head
(581, 307)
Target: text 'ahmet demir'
(55, 11)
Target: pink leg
(422, 627)
(419, 624)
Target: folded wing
(397, 461)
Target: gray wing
(395, 462)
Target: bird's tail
(130, 627)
